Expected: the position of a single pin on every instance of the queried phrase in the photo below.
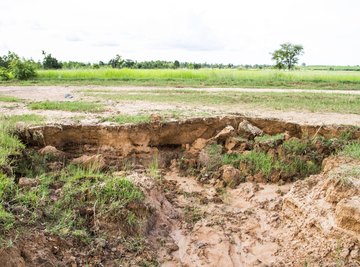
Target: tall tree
(287, 56)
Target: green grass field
(309, 79)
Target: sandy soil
(57, 93)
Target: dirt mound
(316, 213)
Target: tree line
(14, 67)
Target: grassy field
(313, 102)
(309, 79)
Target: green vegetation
(269, 138)
(126, 118)
(13, 67)
(314, 102)
(9, 146)
(346, 175)
(291, 159)
(211, 157)
(68, 106)
(4, 98)
(287, 56)
(153, 169)
(200, 78)
(352, 150)
(105, 196)
(210, 77)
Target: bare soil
(311, 221)
(57, 93)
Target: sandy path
(57, 93)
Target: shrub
(23, 69)
(4, 74)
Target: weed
(351, 150)
(347, 175)
(153, 169)
(68, 106)
(269, 138)
(211, 157)
(149, 263)
(7, 220)
(295, 146)
(232, 159)
(26, 118)
(88, 194)
(9, 242)
(134, 244)
(193, 214)
(125, 118)
(4, 98)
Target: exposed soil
(198, 210)
(57, 93)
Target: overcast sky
(226, 31)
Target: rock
(231, 176)
(287, 136)
(224, 134)
(52, 152)
(248, 130)
(94, 161)
(155, 118)
(68, 96)
(234, 143)
(198, 145)
(28, 182)
(347, 214)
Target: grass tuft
(68, 106)
(352, 150)
(11, 99)
(126, 118)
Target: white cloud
(234, 31)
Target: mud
(197, 221)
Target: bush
(23, 69)
(4, 74)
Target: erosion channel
(221, 191)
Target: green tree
(117, 62)
(287, 56)
(176, 64)
(50, 62)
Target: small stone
(28, 182)
(94, 161)
(51, 151)
(247, 129)
(155, 118)
(355, 253)
(231, 176)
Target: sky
(226, 31)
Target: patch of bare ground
(184, 110)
